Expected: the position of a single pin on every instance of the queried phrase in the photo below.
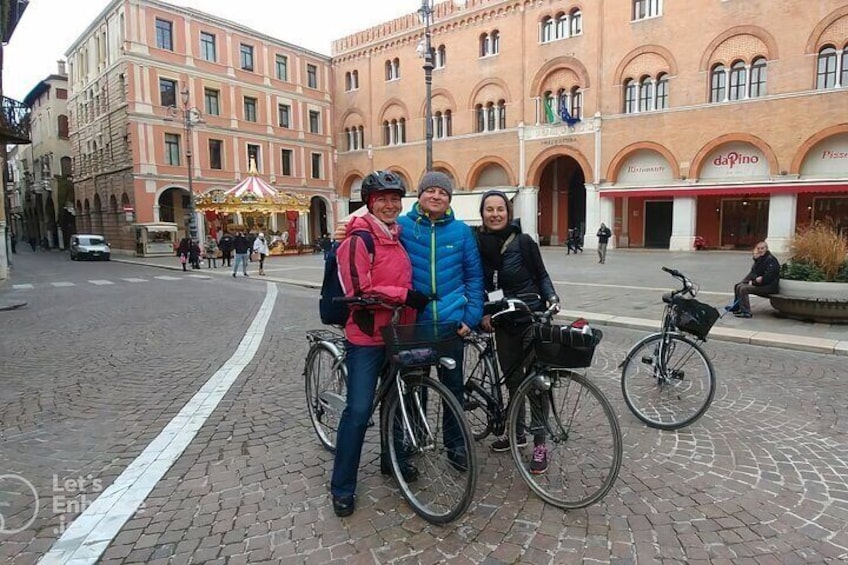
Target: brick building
(666, 120)
(141, 67)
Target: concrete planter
(825, 302)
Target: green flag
(549, 111)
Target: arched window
(354, 80)
(388, 70)
(62, 124)
(662, 91)
(65, 163)
(576, 102)
(501, 114)
(441, 57)
(827, 68)
(438, 126)
(387, 133)
(758, 77)
(844, 64)
(546, 30)
(484, 44)
(576, 20)
(401, 131)
(396, 67)
(738, 80)
(347, 81)
(630, 90)
(646, 94)
(480, 114)
(495, 40)
(360, 134)
(490, 116)
(561, 31)
(718, 84)
(448, 123)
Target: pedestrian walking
(603, 234)
(184, 251)
(226, 246)
(242, 249)
(194, 254)
(13, 238)
(210, 249)
(33, 243)
(260, 247)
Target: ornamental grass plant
(819, 253)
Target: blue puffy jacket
(446, 264)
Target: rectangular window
(284, 111)
(211, 98)
(253, 155)
(246, 52)
(314, 121)
(282, 67)
(288, 159)
(207, 47)
(316, 165)
(249, 109)
(164, 34)
(718, 88)
(311, 76)
(61, 94)
(646, 9)
(167, 92)
(215, 154)
(172, 149)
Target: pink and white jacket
(388, 277)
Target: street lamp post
(191, 116)
(426, 51)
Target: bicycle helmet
(381, 181)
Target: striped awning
(252, 185)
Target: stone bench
(810, 301)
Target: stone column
(595, 212)
(683, 223)
(781, 222)
(526, 206)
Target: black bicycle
(421, 421)
(667, 379)
(564, 407)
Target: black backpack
(336, 313)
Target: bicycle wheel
(442, 450)
(479, 382)
(574, 420)
(326, 392)
(668, 393)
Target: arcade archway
(562, 199)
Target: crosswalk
(106, 282)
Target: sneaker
(539, 464)
(742, 314)
(502, 443)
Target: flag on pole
(565, 115)
(549, 111)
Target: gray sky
(48, 28)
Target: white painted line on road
(134, 280)
(63, 283)
(198, 276)
(167, 278)
(624, 286)
(88, 536)
(101, 282)
(26, 286)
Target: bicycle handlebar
(516, 305)
(688, 285)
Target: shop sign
(644, 166)
(736, 161)
(828, 158)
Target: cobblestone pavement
(761, 478)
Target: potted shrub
(814, 281)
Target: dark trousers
(512, 344)
(226, 256)
(363, 369)
(742, 290)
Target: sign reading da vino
(736, 161)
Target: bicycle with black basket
(416, 409)
(575, 418)
(667, 379)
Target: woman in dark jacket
(512, 265)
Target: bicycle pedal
(647, 360)
(679, 375)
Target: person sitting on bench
(763, 280)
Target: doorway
(561, 201)
(744, 222)
(658, 216)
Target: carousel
(255, 206)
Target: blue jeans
(363, 369)
(240, 258)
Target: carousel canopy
(253, 195)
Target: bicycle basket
(694, 317)
(564, 347)
(439, 338)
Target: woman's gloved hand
(416, 300)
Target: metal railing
(14, 121)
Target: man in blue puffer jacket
(445, 266)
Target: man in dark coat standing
(226, 247)
(763, 280)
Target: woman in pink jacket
(387, 275)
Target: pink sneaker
(539, 463)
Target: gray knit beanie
(436, 179)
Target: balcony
(14, 122)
